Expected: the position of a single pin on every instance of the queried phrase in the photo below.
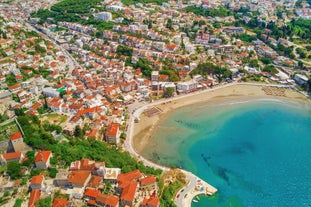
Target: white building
(188, 86)
(105, 16)
(300, 79)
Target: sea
(257, 152)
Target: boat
(195, 200)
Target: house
(150, 202)
(112, 134)
(128, 194)
(60, 202)
(79, 179)
(95, 182)
(15, 87)
(148, 183)
(90, 194)
(107, 200)
(16, 142)
(184, 87)
(111, 174)
(11, 157)
(42, 159)
(34, 198)
(36, 182)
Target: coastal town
(75, 76)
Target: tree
(78, 132)
(169, 24)
(14, 170)
(169, 92)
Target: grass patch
(54, 118)
(8, 129)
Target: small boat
(195, 200)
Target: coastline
(140, 134)
(146, 127)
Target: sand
(144, 130)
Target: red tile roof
(152, 201)
(129, 191)
(108, 200)
(17, 135)
(112, 130)
(36, 180)
(148, 180)
(43, 156)
(60, 202)
(92, 193)
(79, 177)
(12, 155)
(95, 181)
(34, 198)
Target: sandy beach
(144, 130)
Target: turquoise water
(257, 153)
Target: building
(150, 202)
(50, 92)
(34, 198)
(36, 182)
(42, 159)
(105, 16)
(11, 157)
(148, 183)
(185, 87)
(60, 202)
(301, 79)
(155, 76)
(107, 201)
(112, 134)
(16, 142)
(79, 179)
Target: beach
(147, 125)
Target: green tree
(169, 24)
(169, 92)
(14, 170)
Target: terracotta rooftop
(43, 156)
(152, 201)
(34, 198)
(108, 200)
(60, 202)
(78, 177)
(16, 135)
(95, 181)
(12, 155)
(112, 130)
(129, 191)
(36, 180)
(148, 180)
(93, 193)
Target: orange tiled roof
(17, 135)
(36, 180)
(129, 191)
(60, 202)
(108, 200)
(95, 181)
(43, 156)
(147, 180)
(93, 193)
(12, 155)
(112, 129)
(34, 198)
(152, 201)
(78, 177)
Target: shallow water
(257, 153)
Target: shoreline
(140, 134)
(145, 129)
